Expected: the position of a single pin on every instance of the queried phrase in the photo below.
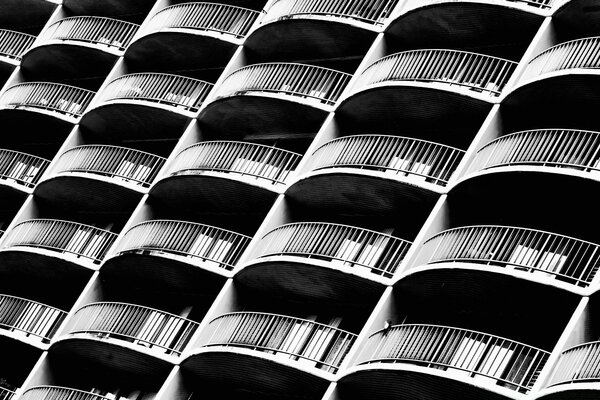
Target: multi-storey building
(299, 199)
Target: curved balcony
(578, 364)
(526, 251)
(100, 176)
(13, 45)
(59, 393)
(6, 394)
(19, 172)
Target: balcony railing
(63, 99)
(299, 80)
(560, 148)
(97, 30)
(345, 245)
(59, 393)
(319, 345)
(29, 318)
(6, 394)
(119, 162)
(222, 18)
(419, 159)
(540, 4)
(578, 364)
(21, 168)
(512, 364)
(580, 53)
(143, 326)
(478, 72)
(369, 11)
(62, 236)
(213, 246)
(172, 90)
(255, 160)
(562, 257)
(14, 44)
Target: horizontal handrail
(369, 11)
(63, 236)
(380, 253)
(222, 18)
(302, 80)
(56, 97)
(127, 164)
(579, 363)
(426, 160)
(256, 160)
(141, 325)
(6, 394)
(98, 30)
(14, 44)
(479, 72)
(573, 260)
(22, 168)
(542, 147)
(173, 90)
(59, 393)
(514, 365)
(212, 245)
(29, 317)
(295, 338)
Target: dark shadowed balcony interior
(23, 357)
(27, 16)
(128, 10)
(577, 19)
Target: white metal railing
(140, 325)
(173, 90)
(420, 159)
(29, 317)
(512, 364)
(98, 30)
(478, 72)
(542, 147)
(59, 393)
(580, 53)
(302, 80)
(14, 44)
(321, 345)
(119, 162)
(222, 18)
(580, 363)
(369, 11)
(21, 168)
(255, 160)
(355, 247)
(6, 394)
(214, 246)
(56, 97)
(63, 236)
(565, 258)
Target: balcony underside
(22, 358)
(31, 124)
(578, 17)
(573, 391)
(272, 113)
(89, 192)
(43, 263)
(353, 192)
(12, 194)
(108, 8)
(255, 373)
(68, 59)
(15, 14)
(305, 39)
(192, 192)
(7, 66)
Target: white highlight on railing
(299, 80)
(172, 90)
(14, 44)
(345, 245)
(580, 53)
(29, 318)
(255, 160)
(213, 246)
(580, 363)
(6, 394)
(510, 364)
(143, 326)
(478, 72)
(98, 30)
(414, 158)
(222, 18)
(21, 168)
(62, 236)
(63, 99)
(414, 4)
(562, 257)
(369, 11)
(309, 342)
(59, 393)
(126, 164)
